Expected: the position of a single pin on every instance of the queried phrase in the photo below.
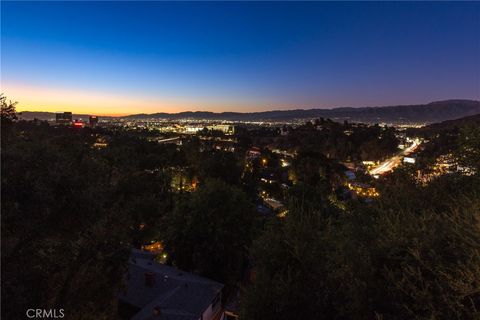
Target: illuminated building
(78, 124)
(254, 152)
(408, 160)
(225, 128)
(93, 121)
(363, 190)
(63, 118)
(181, 182)
(284, 163)
(154, 247)
(100, 142)
(193, 129)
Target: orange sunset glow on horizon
(32, 98)
(46, 99)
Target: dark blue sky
(125, 57)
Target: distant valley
(420, 113)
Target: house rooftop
(172, 294)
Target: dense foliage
(71, 212)
(209, 231)
(72, 208)
(343, 141)
(404, 257)
(63, 242)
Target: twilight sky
(125, 57)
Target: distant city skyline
(118, 58)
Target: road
(168, 140)
(389, 164)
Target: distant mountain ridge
(421, 113)
(428, 113)
(456, 123)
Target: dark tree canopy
(70, 215)
(209, 231)
(8, 112)
(417, 258)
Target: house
(253, 153)
(156, 291)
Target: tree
(8, 112)
(69, 217)
(219, 165)
(386, 260)
(208, 232)
(63, 245)
(8, 115)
